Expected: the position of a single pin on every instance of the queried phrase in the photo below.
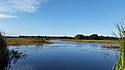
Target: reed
(120, 61)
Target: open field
(26, 41)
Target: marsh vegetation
(120, 61)
(26, 41)
(8, 57)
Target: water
(62, 56)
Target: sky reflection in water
(65, 56)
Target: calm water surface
(63, 56)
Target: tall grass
(120, 61)
(2, 40)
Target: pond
(62, 56)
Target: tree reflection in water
(9, 57)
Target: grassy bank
(93, 41)
(26, 41)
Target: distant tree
(94, 36)
(79, 36)
(101, 37)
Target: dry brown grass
(26, 41)
(93, 41)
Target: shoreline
(36, 41)
(109, 43)
(92, 41)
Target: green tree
(79, 36)
(94, 36)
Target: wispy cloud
(28, 6)
(18, 6)
(3, 16)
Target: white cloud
(3, 16)
(18, 6)
(28, 6)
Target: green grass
(120, 64)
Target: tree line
(78, 36)
(94, 37)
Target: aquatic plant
(120, 61)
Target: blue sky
(60, 17)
